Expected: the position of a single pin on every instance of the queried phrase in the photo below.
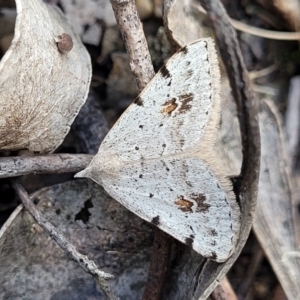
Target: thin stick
(135, 41)
(87, 265)
(46, 164)
(264, 33)
(141, 66)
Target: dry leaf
(184, 23)
(274, 220)
(42, 89)
(34, 267)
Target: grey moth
(159, 161)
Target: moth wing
(176, 109)
(183, 197)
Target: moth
(158, 160)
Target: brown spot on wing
(184, 205)
(200, 200)
(185, 102)
(169, 106)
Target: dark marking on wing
(165, 72)
(213, 256)
(236, 182)
(189, 73)
(206, 45)
(155, 221)
(213, 232)
(185, 100)
(180, 123)
(169, 106)
(190, 240)
(138, 101)
(183, 204)
(184, 50)
(200, 200)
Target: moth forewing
(158, 160)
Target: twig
(264, 33)
(135, 42)
(87, 265)
(224, 291)
(263, 72)
(48, 164)
(141, 66)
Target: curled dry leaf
(273, 222)
(42, 89)
(184, 22)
